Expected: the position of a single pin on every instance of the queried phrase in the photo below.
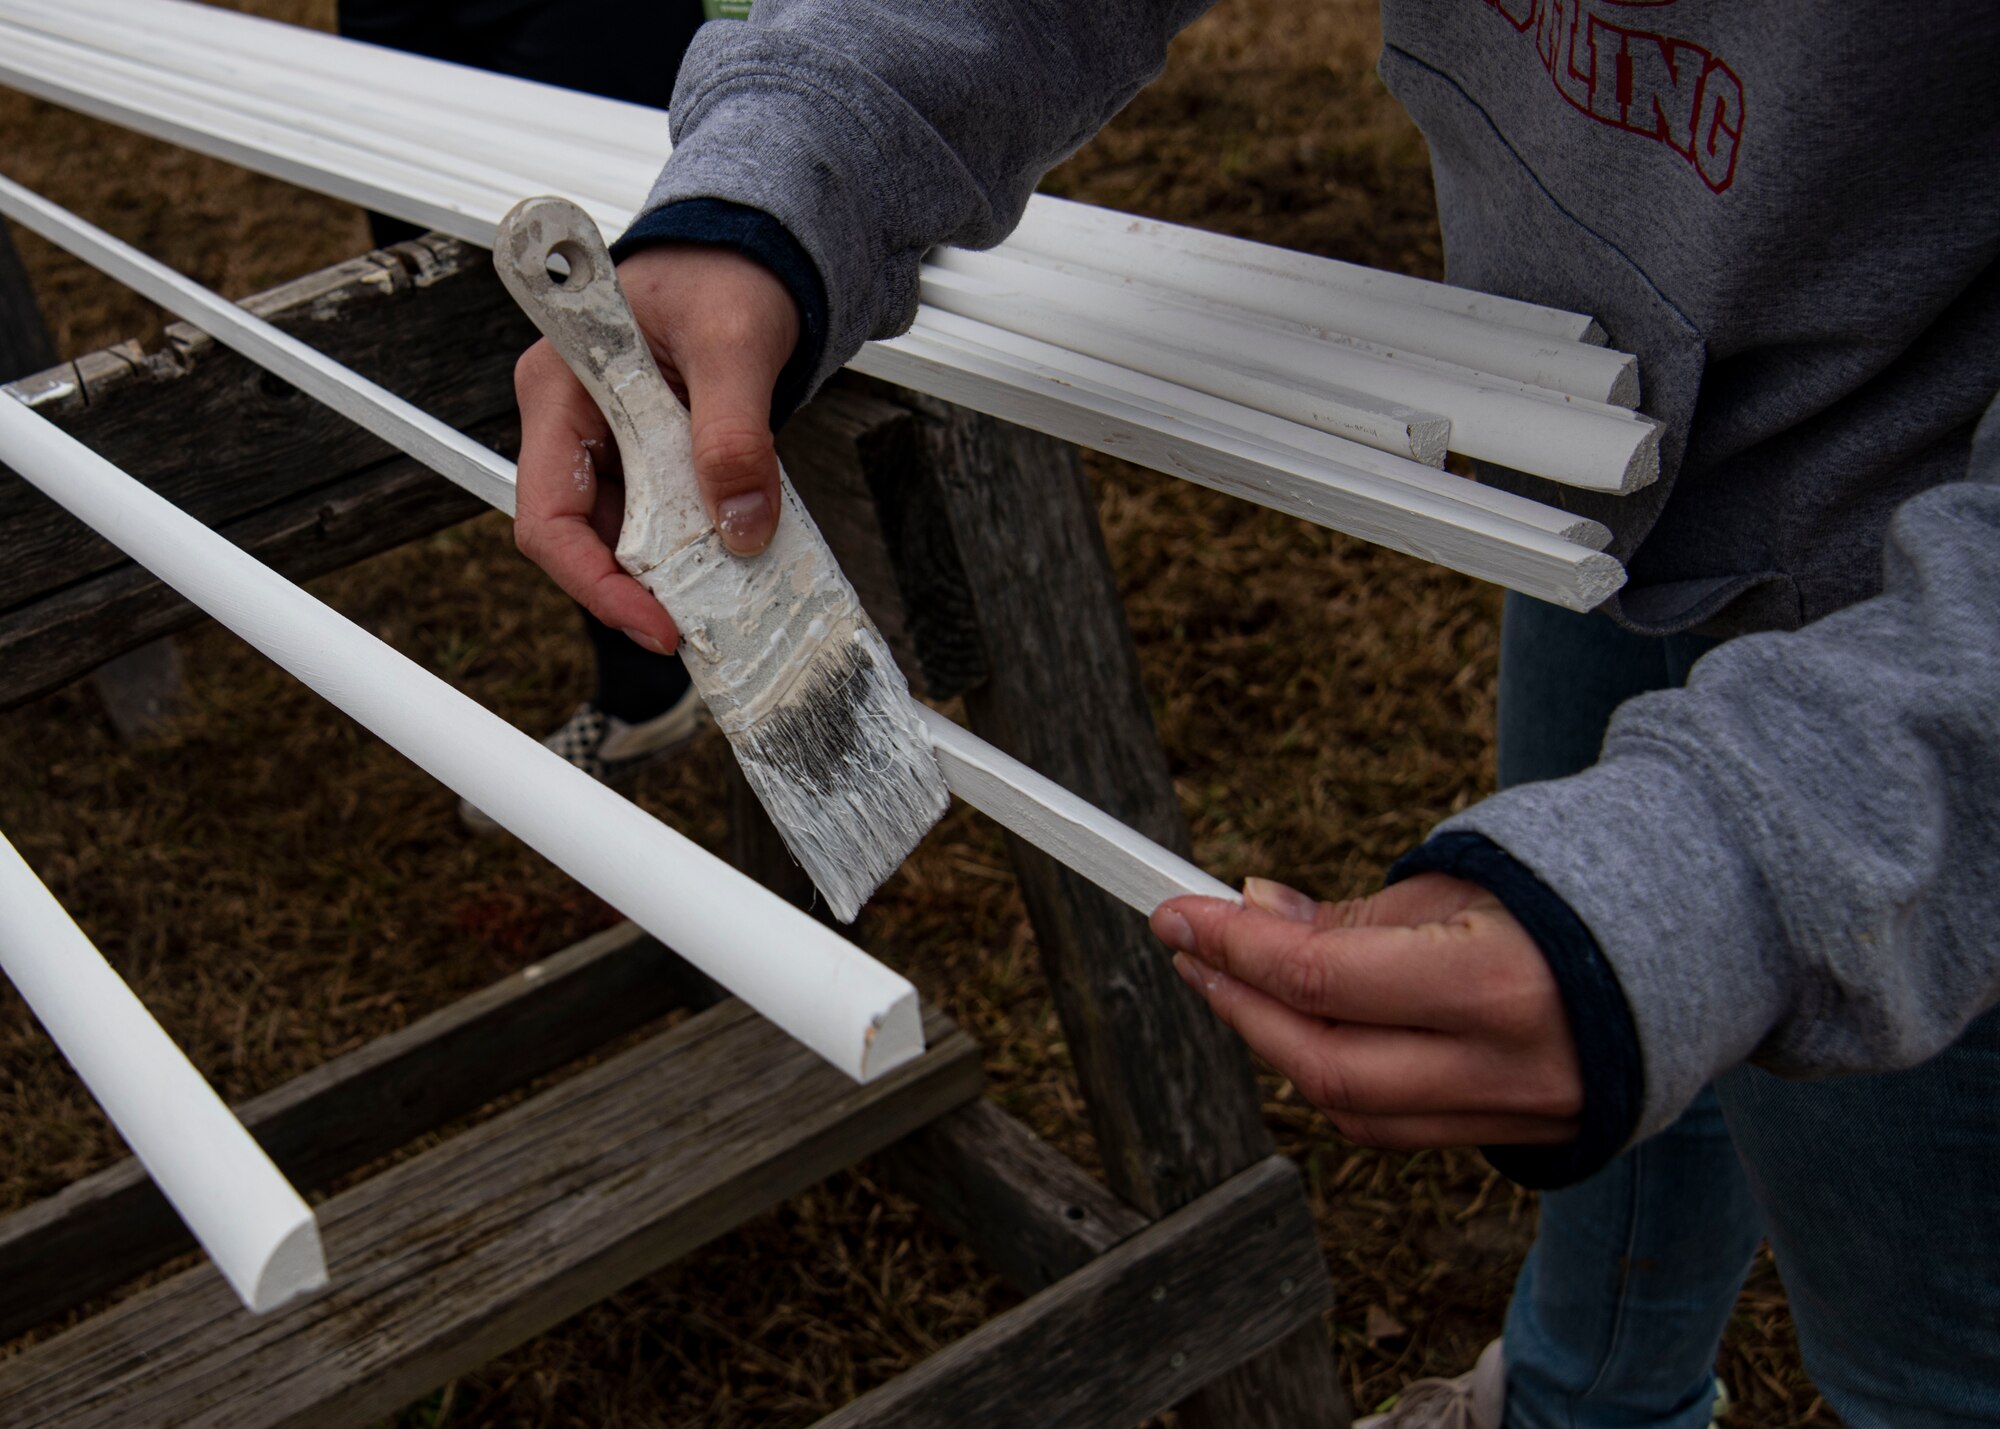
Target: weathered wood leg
(1172, 1099)
(143, 688)
(25, 344)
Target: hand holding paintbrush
(733, 327)
(794, 672)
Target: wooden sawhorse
(1195, 1280)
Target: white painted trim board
(256, 1228)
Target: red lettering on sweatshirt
(1669, 90)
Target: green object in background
(726, 9)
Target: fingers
(1476, 970)
(1269, 896)
(735, 458)
(1390, 976)
(1427, 898)
(725, 326)
(561, 514)
(1449, 1031)
(1392, 1072)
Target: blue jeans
(1880, 1194)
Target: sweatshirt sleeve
(1792, 861)
(873, 130)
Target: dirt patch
(281, 888)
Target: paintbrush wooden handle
(551, 257)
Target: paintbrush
(791, 667)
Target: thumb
(735, 458)
(727, 325)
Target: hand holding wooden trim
(1423, 1016)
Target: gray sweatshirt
(1791, 212)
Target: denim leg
(1634, 1273)
(1621, 1305)
(1882, 1195)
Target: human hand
(721, 327)
(1423, 1016)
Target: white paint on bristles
(255, 1227)
(818, 987)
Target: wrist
(757, 236)
(1600, 1020)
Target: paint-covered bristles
(843, 766)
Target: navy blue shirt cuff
(755, 234)
(1607, 1042)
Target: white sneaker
(1473, 1400)
(608, 749)
(1476, 1399)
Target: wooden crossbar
(105, 1229)
(1137, 1329)
(471, 1248)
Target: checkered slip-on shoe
(608, 749)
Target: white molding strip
(411, 84)
(1379, 327)
(1067, 404)
(1288, 373)
(1223, 268)
(1159, 340)
(445, 450)
(255, 1227)
(1199, 410)
(1124, 863)
(850, 1009)
(366, 94)
(1319, 314)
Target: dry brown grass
(280, 887)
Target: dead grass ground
(281, 888)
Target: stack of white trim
(1318, 388)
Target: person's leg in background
(1620, 1308)
(644, 706)
(1882, 1195)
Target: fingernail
(1173, 930)
(640, 637)
(1198, 975)
(1278, 900)
(745, 523)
